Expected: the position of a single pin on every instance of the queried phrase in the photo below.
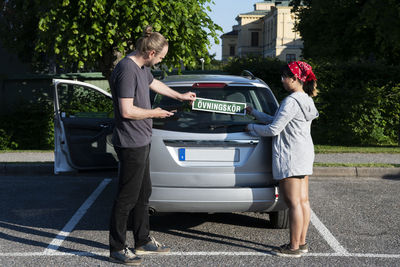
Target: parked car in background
(200, 160)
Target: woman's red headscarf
(302, 71)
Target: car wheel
(279, 219)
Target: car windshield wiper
(227, 125)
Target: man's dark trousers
(134, 190)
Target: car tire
(279, 219)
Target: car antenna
(248, 74)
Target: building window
(290, 58)
(254, 39)
(232, 51)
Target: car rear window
(187, 120)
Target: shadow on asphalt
(182, 224)
(165, 221)
(392, 177)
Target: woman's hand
(249, 110)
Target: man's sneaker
(286, 251)
(126, 257)
(152, 247)
(303, 248)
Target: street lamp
(202, 63)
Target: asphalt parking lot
(63, 221)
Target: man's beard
(149, 64)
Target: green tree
(94, 34)
(17, 25)
(350, 29)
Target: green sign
(219, 106)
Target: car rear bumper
(167, 199)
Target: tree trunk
(108, 62)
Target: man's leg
(131, 170)
(144, 244)
(140, 213)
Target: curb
(356, 172)
(48, 169)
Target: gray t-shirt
(128, 80)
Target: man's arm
(162, 88)
(129, 111)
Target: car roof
(231, 80)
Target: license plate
(209, 155)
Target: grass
(370, 165)
(24, 151)
(356, 149)
(30, 162)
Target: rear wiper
(212, 127)
(230, 125)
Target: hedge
(31, 126)
(359, 103)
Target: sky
(223, 13)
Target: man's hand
(161, 88)
(161, 113)
(188, 96)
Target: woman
(292, 149)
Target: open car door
(83, 125)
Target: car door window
(87, 119)
(83, 102)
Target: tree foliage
(350, 29)
(93, 34)
(17, 30)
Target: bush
(359, 104)
(29, 127)
(5, 141)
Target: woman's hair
(150, 41)
(309, 87)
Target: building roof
(256, 13)
(277, 2)
(231, 33)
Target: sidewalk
(42, 163)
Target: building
(267, 31)
(229, 43)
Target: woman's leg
(292, 194)
(305, 205)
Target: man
(130, 83)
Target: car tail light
(209, 85)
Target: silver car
(200, 160)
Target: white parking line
(326, 234)
(57, 241)
(198, 253)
